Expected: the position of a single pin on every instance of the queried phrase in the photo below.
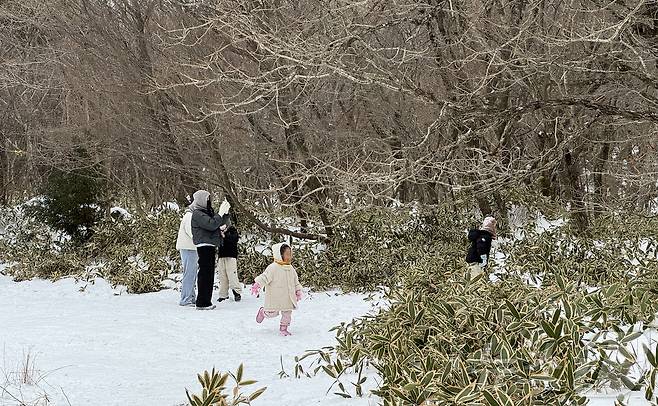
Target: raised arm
(208, 223)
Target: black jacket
(205, 227)
(230, 247)
(480, 245)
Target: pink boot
(260, 316)
(284, 331)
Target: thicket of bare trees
(308, 103)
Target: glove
(224, 208)
(255, 289)
(485, 260)
(298, 295)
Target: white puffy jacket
(184, 241)
(281, 283)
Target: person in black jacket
(207, 229)
(227, 266)
(480, 248)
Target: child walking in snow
(283, 288)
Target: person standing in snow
(207, 227)
(189, 259)
(480, 249)
(227, 266)
(283, 289)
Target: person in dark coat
(480, 248)
(227, 266)
(207, 229)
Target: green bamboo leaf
(556, 316)
(515, 313)
(465, 393)
(568, 309)
(411, 309)
(650, 356)
(490, 399)
(427, 379)
(410, 386)
(419, 316)
(628, 383)
(548, 328)
(355, 357)
(239, 373)
(505, 399)
(329, 372)
(630, 357)
(543, 378)
(256, 394)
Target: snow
(608, 399)
(95, 347)
(120, 211)
(170, 206)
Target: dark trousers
(206, 277)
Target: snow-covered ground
(91, 346)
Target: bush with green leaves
(214, 390)
(370, 248)
(72, 201)
(621, 246)
(138, 253)
(445, 339)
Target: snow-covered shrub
(21, 233)
(620, 247)
(51, 265)
(369, 249)
(139, 252)
(444, 339)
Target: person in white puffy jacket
(189, 259)
(282, 288)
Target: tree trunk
(575, 191)
(4, 172)
(156, 105)
(599, 178)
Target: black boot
(221, 299)
(236, 296)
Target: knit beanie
(489, 224)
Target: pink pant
(286, 316)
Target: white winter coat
(184, 241)
(280, 283)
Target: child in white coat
(283, 288)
